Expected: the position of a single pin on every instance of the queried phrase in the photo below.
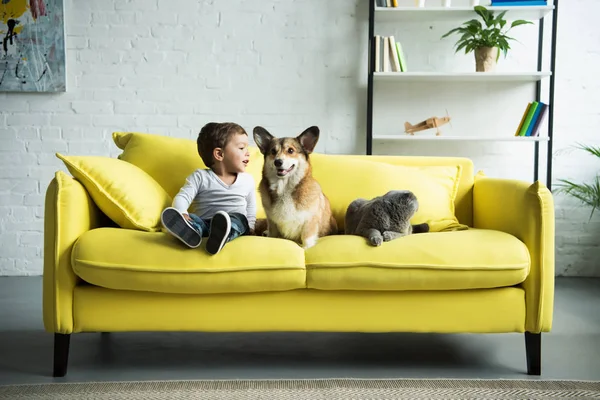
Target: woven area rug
(330, 389)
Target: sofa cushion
(345, 179)
(124, 192)
(170, 160)
(471, 259)
(156, 262)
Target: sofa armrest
(526, 211)
(69, 212)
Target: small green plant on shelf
(587, 193)
(486, 40)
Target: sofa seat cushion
(471, 259)
(127, 259)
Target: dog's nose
(278, 163)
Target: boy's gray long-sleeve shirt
(204, 194)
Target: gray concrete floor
(570, 351)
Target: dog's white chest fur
(290, 221)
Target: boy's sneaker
(220, 226)
(178, 226)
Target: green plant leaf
(475, 22)
(586, 193)
(595, 151)
(451, 32)
(520, 22)
(462, 46)
(465, 36)
(470, 48)
(484, 14)
(500, 17)
(473, 34)
(473, 29)
(504, 46)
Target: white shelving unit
(462, 76)
(424, 15)
(454, 14)
(421, 137)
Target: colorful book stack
(510, 3)
(389, 56)
(532, 119)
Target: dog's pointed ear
(262, 138)
(309, 138)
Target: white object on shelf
(462, 76)
(421, 3)
(416, 137)
(456, 14)
(474, 3)
(447, 3)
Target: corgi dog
(294, 203)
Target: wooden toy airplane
(433, 122)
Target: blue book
(515, 1)
(534, 120)
(520, 3)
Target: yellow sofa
(487, 268)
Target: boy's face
(236, 154)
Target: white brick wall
(169, 67)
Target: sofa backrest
(463, 203)
(170, 160)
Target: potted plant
(587, 193)
(487, 40)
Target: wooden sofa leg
(533, 348)
(61, 354)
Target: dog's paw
(265, 233)
(376, 240)
(309, 242)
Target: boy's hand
(187, 217)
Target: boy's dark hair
(213, 135)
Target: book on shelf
(532, 118)
(516, 3)
(389, 56)
(386, 3)
(528, 118)
(542, 116)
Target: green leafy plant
(587, 193)
(475, 35)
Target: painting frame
(33, 51)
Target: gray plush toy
(384, 218)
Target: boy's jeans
(239, 225)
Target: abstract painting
(32, 51)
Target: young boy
(221, 198)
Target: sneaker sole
(220, 226)
(175, 223)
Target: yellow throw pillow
(125, 193)
(345, 179)
(170, 160)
